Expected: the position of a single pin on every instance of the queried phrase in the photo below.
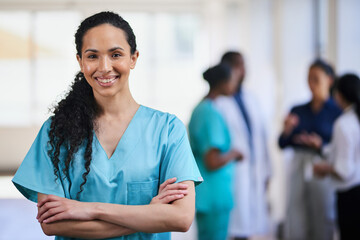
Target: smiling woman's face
(106, 60)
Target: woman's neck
(118, 105)
(213, 93)
(317, 104)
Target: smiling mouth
(106, 80)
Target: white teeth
(106, 80)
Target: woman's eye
(115, 55)
(92, 56)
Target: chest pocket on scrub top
(141, 193)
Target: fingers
(45, 207)
(172, 192)
(293, 118)
(57, 217)
(171, 198)
(50, 213)
(48, 198)
(314, 134)
(301, 138)
(291, 121)
(309, 139)
(166, 183)
(169, 185)
(320, 169)
(53, 208)
(174, 186)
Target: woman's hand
(291, 121)
(53, 208)
(170, 191)
(322, 169)
(314, 141)
(238, 156)
(311, 140)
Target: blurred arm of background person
(290, 123)
(215, 160)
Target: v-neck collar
(123, 137)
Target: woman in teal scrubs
(96, 166)
(210, 142)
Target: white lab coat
(250, 214)
(345, 151)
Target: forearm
(215, 160)
(151, 218)
(146, 218)
(95, 229)
(223, 159)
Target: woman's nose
(104, 64)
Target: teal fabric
(154, 148)
(213, 226)
(207, 130)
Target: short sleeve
(36, 172)
(178, 160)
(215, 133)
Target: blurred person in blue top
(96, 167)
(343, 157)
(307, 129)
(211, 144)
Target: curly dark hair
(73, 120)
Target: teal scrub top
(154, 148)
(207, 130)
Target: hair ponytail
(72, 126)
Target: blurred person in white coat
(242, 113)
(343, 157)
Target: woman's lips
(106, 81)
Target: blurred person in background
(242, 113)
(343, 160)
(310, 212)
(211, 144)
(96, 167)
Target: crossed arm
(171, 210)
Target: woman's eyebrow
(116, 48)
(110, 50)
(90, 50)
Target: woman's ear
(78, 58)
(133, 59)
